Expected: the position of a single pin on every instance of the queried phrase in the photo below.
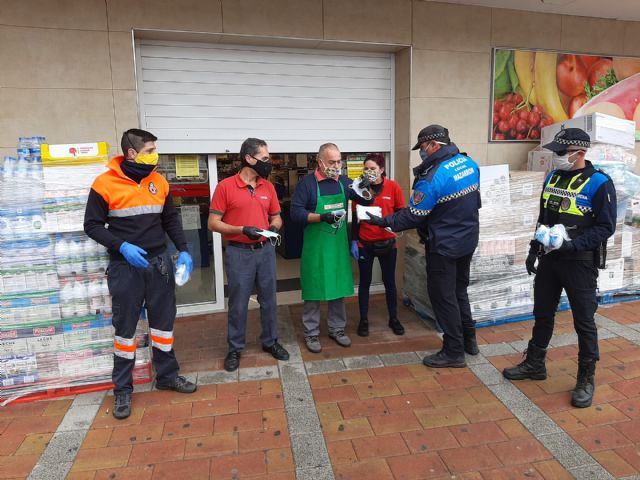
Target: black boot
(363, 327)
(470, 343)
(396, 326)
(532, 367)
(585, 386)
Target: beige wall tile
(287, 18)
(632, 38)
(592, 35)
(450, 74)
(516, 28)
(444, 26)
(466, 119)
(122, 63)
(514, 154)
(48, 58)
(477, 151)
(402, 170)
(402, 118)
(191, 15)
(73, 14)
(61, 115)
(403, 73)
(126, 112)
(380, 21)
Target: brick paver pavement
(398, 421)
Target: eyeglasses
(265, 159)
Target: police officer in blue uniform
(582, 199)
(444, 208)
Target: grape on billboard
(533, 89)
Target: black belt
(250, 246)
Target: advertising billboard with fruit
(533, 89)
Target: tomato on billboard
(533, 89)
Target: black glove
(534, 251)
(252, 232)
(329, 218)
(376, 220)
(273, 228)
(365, 182)
(567, 246)
(531, 263)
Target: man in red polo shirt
(242, 206)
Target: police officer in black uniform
(582, 199)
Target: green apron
(325, 267)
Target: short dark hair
(135, 138)
(251, 146)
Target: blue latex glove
(185, 259)
(355, 251)
(134, 255)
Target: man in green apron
(320, 202)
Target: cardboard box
(600, 127)
(539, 160)
(612, 278)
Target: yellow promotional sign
(187, 166)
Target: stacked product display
(499, 286)
(55, 320)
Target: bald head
(330, 160)
(328, 149)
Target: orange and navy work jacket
(120, 210)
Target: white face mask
(562, 162)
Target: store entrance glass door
(191, 187)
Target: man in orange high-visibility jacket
(134, 200)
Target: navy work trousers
(579, 278)
(248, 268)
(130, 288)
(447, 283)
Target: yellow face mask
(147, 158)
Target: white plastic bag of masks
(181, 275)
(551, 238)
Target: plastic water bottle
(22, 167)
(9, 167)
(67, 305)
(63, 265)
(76, 255)
(106, 297)
(24, 142)
(80, 299)
(94, 292)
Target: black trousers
(447, 283)
(388, 268)
(130, 287)
(579, 280)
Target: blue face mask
(423, 155)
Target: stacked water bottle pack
(55, 320)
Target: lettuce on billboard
(532, 89)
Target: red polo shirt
(240, 205)
(389, 200)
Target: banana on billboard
(533, 89)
